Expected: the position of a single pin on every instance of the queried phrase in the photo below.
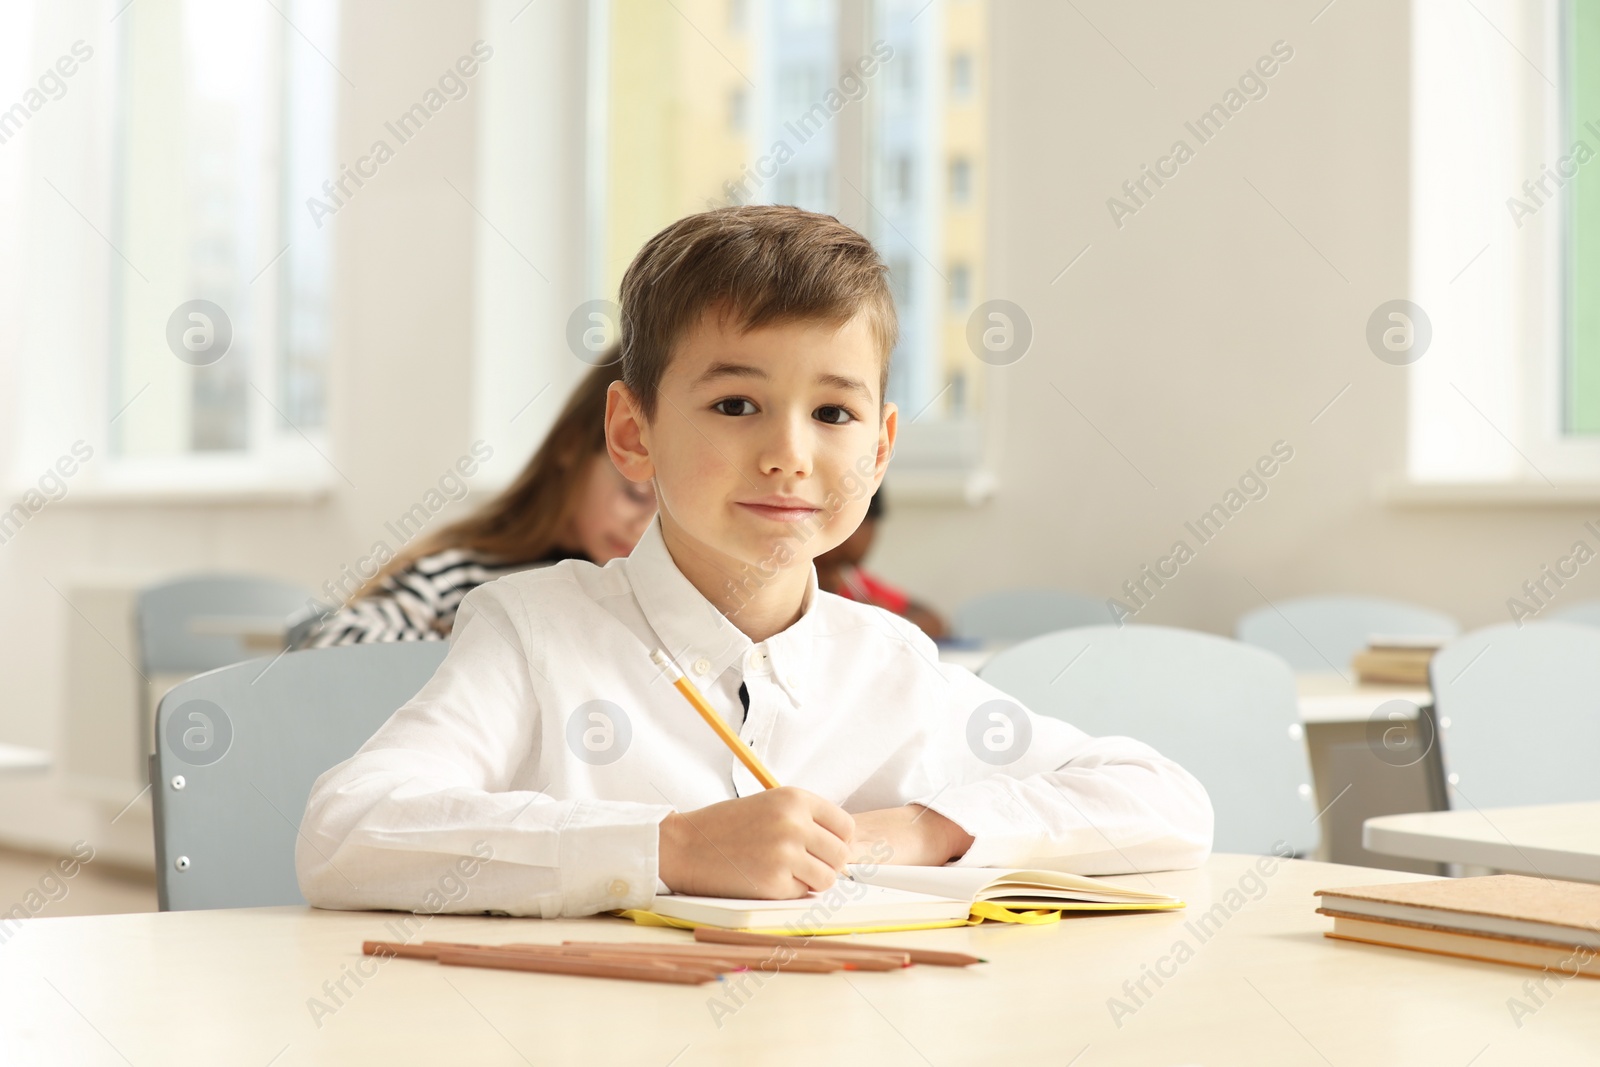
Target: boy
(556, 768)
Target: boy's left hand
(915, 835)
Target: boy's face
(766, 446)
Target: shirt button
(702, 665)
(618, 888)
(794, 683)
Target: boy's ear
(888, 428)
(626, 434)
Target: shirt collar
(692, 629)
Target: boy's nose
(787, 450)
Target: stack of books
(1505, 918)
(1396, 660)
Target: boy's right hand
(774, 845)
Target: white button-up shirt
(548, 742)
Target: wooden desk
(1553, 840)
(1328, 697)
(1263, 986)
(261, 635)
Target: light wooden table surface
(1326, 697)
(1552, 840)
(1258, 984)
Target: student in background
(839, 572)
(569, 502)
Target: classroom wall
(1188, 341)
(1220, 318)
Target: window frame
(92, 390)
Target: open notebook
(885, 898)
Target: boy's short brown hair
(761, 264)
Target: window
(960, 181)
(920, 221)
(1505, 237)
(866, 137)
(901, 184)
(173, 298)
(960, 287)
(1581, 83)
(219, 333)
(961, 75)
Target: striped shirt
(416, 603)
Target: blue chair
(1018, 614)
(1584, 613)
(237, 751)
(1519, 711)
(1322, 633)
(1225, 711)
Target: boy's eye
(734, 405)
(834, 415)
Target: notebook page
(975, 883)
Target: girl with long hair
(569, 502)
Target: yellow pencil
(709, 714)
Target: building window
(961, 75)
(960, 181)
(960, 287)
(902, 180)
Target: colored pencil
(707, 934)
(800, 958)
(559, 963)
(433, 950)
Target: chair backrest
(1018, 614)
(1583, 613)
(1224, 711)
(168, 643)
(1322, 633)
(237, 751)
(1519, 711)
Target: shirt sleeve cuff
(609, 863)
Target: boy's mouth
(780, 508)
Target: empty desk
(1552, 840)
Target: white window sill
(1405, 493)
(200, 486)
(107, 496)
